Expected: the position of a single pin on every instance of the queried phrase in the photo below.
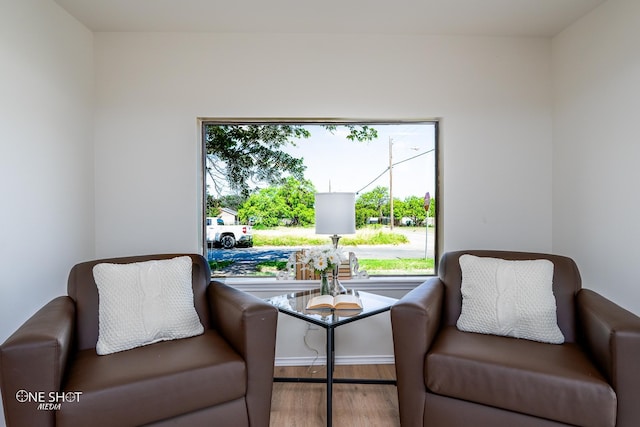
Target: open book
(338, 302)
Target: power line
(374, 180)
(394, 164)
(411, 158)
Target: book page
(347, 302)
(339, 302)
(321, 301)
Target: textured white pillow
(509, 298)
(144, 302)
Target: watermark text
(48, 401)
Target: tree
(291, 203)
(232, 201)
(370, 204)
(413, 207)
(300, 197)
(213, 206)
(375, 204)
(264, 207)
(242, 156)
(399, 210)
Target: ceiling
(528, 18)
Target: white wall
(46, 125)
(596, 209)
(493, 94)
(46, 160)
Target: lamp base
(336, 287)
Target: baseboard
(340, 360)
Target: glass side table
(294, 304)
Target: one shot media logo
(48, 401)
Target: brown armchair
(222, 377)
(447, 377)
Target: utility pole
(391, 182)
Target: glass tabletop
(295, 304)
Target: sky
(336, 164)
(333, 163)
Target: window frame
(374, 283)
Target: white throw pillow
(509, 298)
(143, 303)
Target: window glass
(261, 179)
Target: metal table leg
(330, 363)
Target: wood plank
(354, 405)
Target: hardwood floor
(354, 405)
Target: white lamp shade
(335, 213)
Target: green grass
(263, 240)
(365, 238)
(271, 266)
(397, 265)
(377, 238)
(372, 266)
(219, 265)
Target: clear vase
(324, 283)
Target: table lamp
(335, 215)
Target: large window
(261, 177)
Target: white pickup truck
(228, 236)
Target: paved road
(246, 259)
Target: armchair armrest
(612, 336)
(415, 321)
(249, 325)
(33, 359)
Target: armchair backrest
(81, 287)
(566, 283)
